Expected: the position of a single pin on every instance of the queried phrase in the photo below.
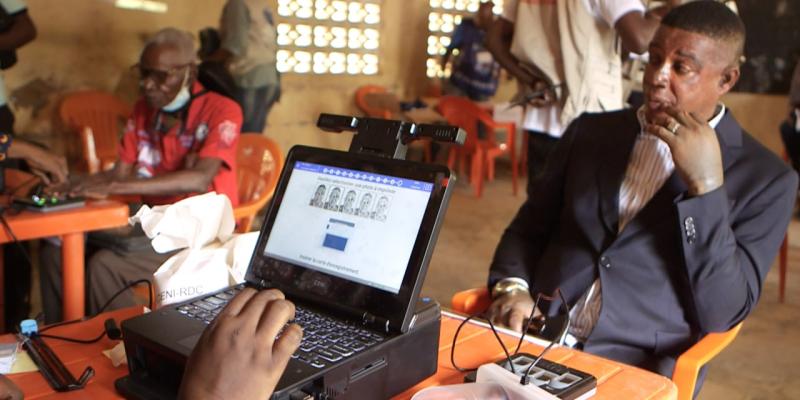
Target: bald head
(711, 19)
(181, 42)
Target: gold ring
(673, 127)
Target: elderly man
(659, 225)
(180, 140)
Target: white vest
(573, 48)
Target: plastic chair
(259, 163)
(463, 113)
(376, 101)
(103, 114)
(476, 300)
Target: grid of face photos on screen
(362, 203)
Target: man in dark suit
(658, 225)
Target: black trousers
(540, 145)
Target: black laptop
(348, 238)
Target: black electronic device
(557, 379)
(387, 138)
(52, 369)
(45, 203)
(354, 268)
(389, 367)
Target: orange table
(476, 345)
(70, 226)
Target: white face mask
(181, 98)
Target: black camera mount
(387, 138)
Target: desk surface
(70, 226)
(95, 215)
(616, 381)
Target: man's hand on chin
(512, 310)
(695, 149)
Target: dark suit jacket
(681, 268)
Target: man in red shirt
(181, 140)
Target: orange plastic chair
(476, 300)
(465, 114)
(103, 114)
(259, 163)
(375, 101)
(690, 362)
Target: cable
(73, 340)
(102, 309)
(526, 376)
(496, 335)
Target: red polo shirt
(210, 129)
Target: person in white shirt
(567, 52)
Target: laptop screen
(356, 225)
(351, 233)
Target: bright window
(444, 16)
(329, 36)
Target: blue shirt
(474, 71)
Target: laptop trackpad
(190, 341)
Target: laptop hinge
(376, 323)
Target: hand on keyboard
(238, 356)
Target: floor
(762, 363)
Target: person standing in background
(249, 49)
(475, 73)
(565, 56)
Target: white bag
(212, 258)
(195, 272)
(192, 222)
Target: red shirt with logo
(209, 129)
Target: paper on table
(192, 222)
(24, 363)
(8, 352)
(116, 354)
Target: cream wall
(760, 115)
(91, 44)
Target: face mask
(181, 98)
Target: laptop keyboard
(325, 340)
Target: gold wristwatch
(507, 286)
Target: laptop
(347, 238)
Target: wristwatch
(507, 286)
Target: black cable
(526, 376)
(528, 323)
(102, 309)
(496, 335)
